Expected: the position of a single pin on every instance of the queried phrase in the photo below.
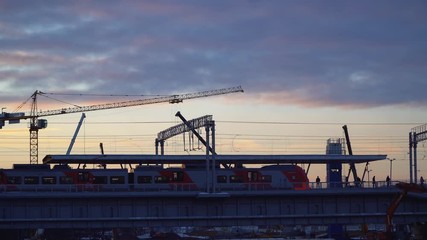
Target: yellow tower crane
(36, 123)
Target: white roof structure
(223, 159)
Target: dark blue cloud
(328, 53)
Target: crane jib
(170, 99)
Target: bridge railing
(191, 187)
(181, 187)
(351, 185)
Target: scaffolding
(416, 135)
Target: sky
(307, 68)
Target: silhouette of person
(387, 179)
(373, 182)
(358, 182)
(421, 180)
(317, 181)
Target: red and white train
(152, 178)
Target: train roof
(31, 166)
(222, 159)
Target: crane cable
(43, 94)
(108, 95)
(22, 104)
(82, 94)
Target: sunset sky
(307, 68)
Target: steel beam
(182, 128)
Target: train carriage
(62, 178)
(27, 177)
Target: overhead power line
(323, 123)
(258, 122)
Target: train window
(161, 179)
(145, 179)
(100, 180)
(14, 180)
(178, 176)
(31, 180)
(221, 179)
(235, 179)
(117, 180)
(65, 180)
(48, 180)
(266, 178)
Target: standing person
(421, 180)
(373, 182)
(358, 182)
(388, 181)
(318, 181)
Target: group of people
(358, 181)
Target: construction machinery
(405, 189)
(352, 168)
(36, 123)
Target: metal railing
(352, 185)
(192, 187)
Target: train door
(177, 176)
(253, 176)
(2, 178)
(83, 178)
(131, 180)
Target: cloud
(303, 53)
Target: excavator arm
(405, 187)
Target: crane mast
(36, 123)
(34, 131)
